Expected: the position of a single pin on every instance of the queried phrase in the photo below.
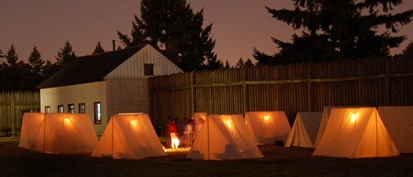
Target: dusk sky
(238, 25)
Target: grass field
(277, 161)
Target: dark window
(148, 69)
(47, 109)
(82, 108)
(98, 112)
(71, 108)
(60, 109)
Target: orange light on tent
(266, 118)
(228, 123)
(353, 118)
(67, 121)
(134, 122)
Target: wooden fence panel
(291, 88)
(12, 106)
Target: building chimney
(113, 45)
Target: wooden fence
(291, 88)
(12, 106)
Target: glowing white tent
(30, 126)
(304, 130)
(64, 133)
(324, 120)
(129, 136)
(224, 137)
(199, 118)
(355, 133)
(398, 121)
(268, 127)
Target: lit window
(148, 69)
(71, 108)
(82, 108)
(98, 112)
(60, 109)
(47, 109)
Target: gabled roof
(91, 68)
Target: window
(71, 108)
(47, 109)
(60, 109)
(148, 69)
(98, 112)
(82, 108)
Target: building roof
(91, 68)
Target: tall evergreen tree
(15, 73)
(172, 27)
(248, 63)
(227, 66)
(240, 63)
(98, 49)
(65, 55)
(36, 63)
(12, 57)
(337, 29)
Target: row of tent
(337, 132)
(355, 132)
(127, 136)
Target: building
(105, 84)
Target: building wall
(88, 93)
(134, 67)
(127, 95)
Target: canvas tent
(324, 120)
(199, 118)
(355, 133)
(129, 136)
(30, 126)
(304, 130)
(64, 133)
(398, 121)
(224, 137)
(268, 127)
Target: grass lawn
(277, 161)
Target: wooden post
(308, 89)
(244, 91)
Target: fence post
(244, 91)
(13, 114)
(309, 88)
(193, 96)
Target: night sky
(238, 25)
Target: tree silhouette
(333, 29)
(65, 55)
(98, 49)
(172, 27)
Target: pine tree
(36, 63)
(16, 73)
(172, 27)
(12, 57)
(337, 29)
(240, 63)
(227, 66)
(248, 63)
(98, 49)
(65, 55)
